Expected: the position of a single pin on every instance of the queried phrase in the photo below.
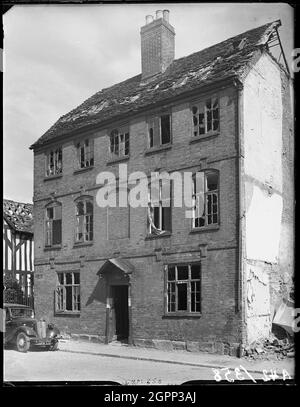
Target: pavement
(178, 357)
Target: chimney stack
(157, 44)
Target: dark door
(120, 309)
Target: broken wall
(268, 194)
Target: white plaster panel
(263, 225)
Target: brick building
(152, 275)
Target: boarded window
(183, 283)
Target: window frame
(57, 171)
(84, 199)
(188, 281)
(202, 107)
(60, 293)
(49, 230)
(207, 193)
(88, 156)
(121, 131)
(153, 119)
(150, 232)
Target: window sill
(83, 244)
(80, 170)
(50, 248)
(150, 237)
(71, 314)
(51, 177)
(205, 229)
(182, 314)
(158, 149)
(205, 136)
(117, 160)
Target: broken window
(183, 288)
(119, 143)
(205, 199)
(67, 293)
(54, 162)
(84, 221)
(159, 208)
(159, 130)
(53, 225)
(85, 153)
(206, 117)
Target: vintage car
(23, 330)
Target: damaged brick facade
(251, 169)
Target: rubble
(271, 348)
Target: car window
(21, 312)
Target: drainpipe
(240, 210)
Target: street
(63, 366)
(39, 365)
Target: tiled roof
(18, 215)
(227, 59)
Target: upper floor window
(53, 225)
(67, 293)
(84, 220)
(206, 117)
(159, 130)
(159, 209)
(183, 286)
(119, 143)
(206, 199)
(54, 162)
(85, 153)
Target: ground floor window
(67, 293)
(183, 288)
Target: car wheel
(53, 346)
(23, 342)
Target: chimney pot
(149, 19)
(159, 14)
(166, 15)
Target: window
(206, 117)
(54, 162)
(159, 130)
(183, 288)
(84, 221)
(67, 293)
(85, 152)
(119, 143)
(159, 209)
(206, 199)
(53, 225)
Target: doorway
(120, 320)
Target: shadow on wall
(99, 293)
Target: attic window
(206, 117)
(85, 153)
(54, 162)
(119, 143)
(159, 130)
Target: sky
(56, 56)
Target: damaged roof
(18, 215)
(224, 60)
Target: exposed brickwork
(219, 328)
